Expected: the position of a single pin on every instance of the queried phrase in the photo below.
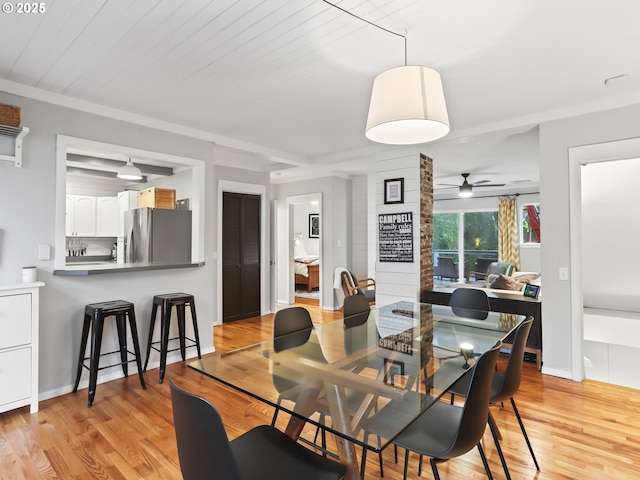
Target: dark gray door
(240, 256)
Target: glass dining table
(337, 374)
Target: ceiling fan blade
(447, 184)
(479, 182)
(489, 185)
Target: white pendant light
(129, 172)
(407, 103)
(407, 107)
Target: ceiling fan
(466, 189)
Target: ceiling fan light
(466, 190)
(407, 107)
(129, 172)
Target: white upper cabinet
(81, 216)
(88, 216)
(107, 216)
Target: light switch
(44, 252)
(563, 273)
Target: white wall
(610, 233)
(27, 196)
(399, 281)
(360, 228)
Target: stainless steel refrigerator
(158, 235)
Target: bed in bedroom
(307, 271)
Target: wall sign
(395, 237)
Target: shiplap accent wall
(360, 219)
(399, 281)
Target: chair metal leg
(524, 432)
(363, 461)
(275, 412)
(406, 463)
(484, 462)
(494, 434)
(434, 469)
(493, 424)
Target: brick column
(426, 223)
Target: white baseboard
(173, 357)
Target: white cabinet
(88, 216)
(107, 216)
(80, 216)
(19, 322)
(127, 200)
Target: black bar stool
(94, 315)
(167, 301)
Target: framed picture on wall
(314, 225)
(394, 190)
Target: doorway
(303, 249)
(306, 252)
(241, 254)
(593, 296)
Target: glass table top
(408, 353)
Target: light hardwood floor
(582, 431)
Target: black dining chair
(264, 452)
(470, 303)
(356, 312)
(446, 431)
(292, 328)
(354, 305)
(504, 386)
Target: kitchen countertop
(94, 268)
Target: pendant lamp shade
(129, 172)
(407, 107)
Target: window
(480, 238)
(464, 237)
(530, 223)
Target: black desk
(505, 303)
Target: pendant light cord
(404, 37)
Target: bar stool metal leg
(121, 327)
(83, 347)
(165, 325)
(97, 326)
(181, 329)
(152, 323)
(192, 305)
(136, 346)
